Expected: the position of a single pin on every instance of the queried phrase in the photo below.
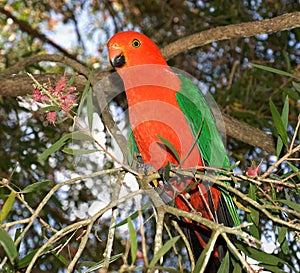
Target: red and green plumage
(165, 107)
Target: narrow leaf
(272, 268)
(296, 86)
(7, 206)
(274, 70)
(28, 258)
(55, 147)
(71, 151)
(259, 255)
(90, 109)
(279, 124)
(36, 186)
(133, 240)
(224, 267)
(100, 264)
(8, 245)
(81, 135)
(285, 112)
(49, 108)
(170, 146)
(282, 231)
(291, 204)
(71, 80)
(165, 248)
(84, 94)
(61, 258)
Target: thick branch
(248, 134)
(279, 23)
(21, 85)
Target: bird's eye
(136, 43)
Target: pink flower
(253, 171)
(61, 85)
(36, 94)
(51, 117)
(68, 101)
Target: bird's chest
(157, 122)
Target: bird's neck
(148, 82)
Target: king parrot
(172, 124)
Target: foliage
(46, 198)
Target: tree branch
(243, 30)
(249, 134)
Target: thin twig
(237, 254)
(282, 159)
(207, 251)
(81, 247)
(113, 220)
(295, 135)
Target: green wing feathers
(203, 126)
(202, 123)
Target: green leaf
(7, 206)
(170, 146)
(165, 248)
(82, 135)
(294, 168)
(224, 267)
(133, 240)
(55, 147)
(285, 247)
(285, 112)
(28, 258)
(253, 216)
(61, 258)
(8, 245)
(71, 151)
(274, 70)
(71, 80)
(84, 94)
(279, 124)
(284, 118)
(282, 231)
(296, 86)
(291, 204)
(260, 256)
(237, 268)
(272, 268)
(90, 109)
(36, 186)
(100, 264)
(49, 108)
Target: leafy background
(80, 30)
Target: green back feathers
(202, 124)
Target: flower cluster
(62, 97)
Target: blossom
(37, 94)
(253, 171)
(62, 97)
(51, 117)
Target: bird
(172, 126)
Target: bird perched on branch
(172, 125)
